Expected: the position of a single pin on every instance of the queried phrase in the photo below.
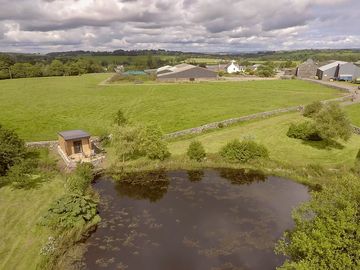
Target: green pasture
(272, 133)
(353, 112)
(38, 108)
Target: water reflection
(195, 175)
(228, 219)
(146, 185)
(242, 176)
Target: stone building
(307, 69)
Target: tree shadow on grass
(324, 144)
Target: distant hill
(120, 56)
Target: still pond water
(199, 220)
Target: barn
(186, 72)
(338, 70)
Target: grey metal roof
(332, 65)
(74, 134)
(181, 68)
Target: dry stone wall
(224, 123)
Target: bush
(24, 175)
(12, 149)
(135, 141)
(120, 118)
(304, 131)
(312, 109)
(332, 123)
(47, 162)
(196, 151)
(70, 211)
(79, 181)
(326, 235)
(244, 151)
(154, 147)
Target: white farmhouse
(233, 67)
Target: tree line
(10, 69)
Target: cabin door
(77, 147)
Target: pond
(211, 219)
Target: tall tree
(5, 63)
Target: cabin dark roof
(74, 134)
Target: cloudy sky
(187, 25)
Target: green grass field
(20, 237)
(38, 108)
(353, 112)
(272, 133)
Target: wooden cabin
(75, 142)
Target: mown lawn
(353, 112)
(21, 238)
(272, 133)
(38, 108)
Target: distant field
(124, 58)
(38, 108)
(272, 133)
(353, 112)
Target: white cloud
(207, 25)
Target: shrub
(120, 118)
(104, 139)
(70, 211)
(332, 123)
(154, 147)
(135, 141)
(79, 181)
(312, 109)
(47, 162)
(12, 149)
(304, 131)
(244, 151)
(24, 175)
(196, 151)
(326, 235)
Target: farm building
(75, 142)
(163, 69)
(186, 72)
(307, 69)
(338, 70)
(233, 67)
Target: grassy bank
(37, 108)
(353, 112)
(20, 237)
(272, 133)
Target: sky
(42, 26)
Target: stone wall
(224, 123)
(49, 144)
(356, 129)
